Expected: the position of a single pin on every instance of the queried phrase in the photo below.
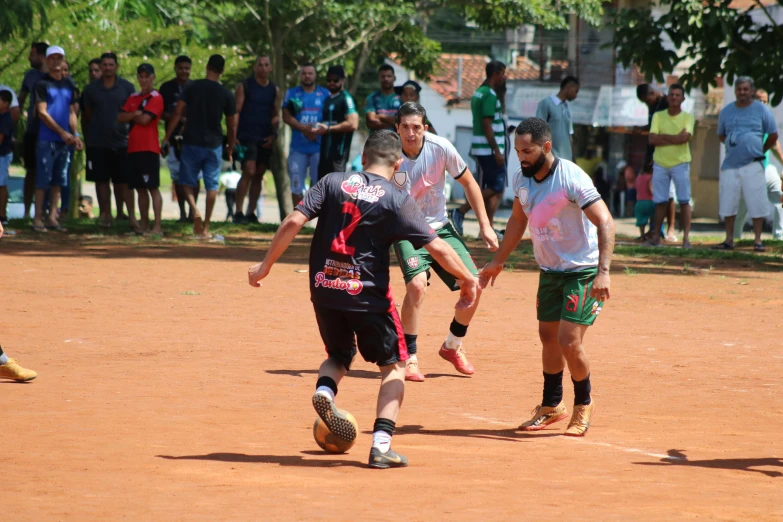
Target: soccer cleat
(337, 423)
(12, 370)
(580, 420)
(387, 460)
(457, 218)
(412, 372)
(543, 416)
(458, 359)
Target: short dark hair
(216, 63)
(643, 90)
(111, 56)
(96, 61)
(383, 147)
(6, 96)
(385, 67)
(336, 70)
(567, 80)
(412, 109)
(306, 64)
(677, 86)
(263, 55)
(40, 47)
(537, 128)
(182, 59)
(493, 67)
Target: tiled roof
(749, 4)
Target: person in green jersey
(339, 120)
(380, 110)
(488, 143)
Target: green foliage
(498, 15)
(713, 38)
(17, 17)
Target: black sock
(384, 425)
(410, 340)
(1, 350)
(459, 330)
(328, 382)
(582, 392)
(553, 389)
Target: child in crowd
(644, 208)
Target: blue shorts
(662, 179)
(197, 159)
(490, 175)
(298, 164)
(51, 164)
(5, 164)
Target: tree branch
(296, 22)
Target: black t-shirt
(7, 131)
(359, 216)
(172, 92)
(104, 130)
(336, 108)
(661, 105)
(206, 102)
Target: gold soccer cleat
(543, 416)
(580, 420)
(12, 370)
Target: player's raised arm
(599, 215)
(515, 229)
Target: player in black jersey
(360, 215)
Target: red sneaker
(412, 372)
(457, 358)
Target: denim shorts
(662, 179)
(298, 163)
(197, 159)
(5, 163)
(51, 164)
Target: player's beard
(533, 169)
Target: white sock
(453, 342)
(3, 358)
(381, 440)
(413, 358)
(326, 392)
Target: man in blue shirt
(302, 109)
(741, 127)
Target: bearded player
(426, 159)
(573, 240)
(360, 215)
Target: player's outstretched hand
(600, 289)
(468, 293)
(489, 273)
(490, 238)
(256, 273)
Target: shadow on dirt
(678, 458)
(281, 460)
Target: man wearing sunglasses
(339, 120)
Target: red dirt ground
(156, 404)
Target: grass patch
(630, 272)
(189, 292)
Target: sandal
(57, 228)
(650, 244)
(723, 246)
(758, 247)
(39, 228)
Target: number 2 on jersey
(338, 245)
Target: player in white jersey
(426, 160)
(573, 240)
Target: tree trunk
(279, 161)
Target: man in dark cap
(339, 120)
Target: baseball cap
(145, 67)
(55, 49)
(336, 70)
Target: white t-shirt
(563, 238)
(427, 177)
(230, 179)
(14, 101)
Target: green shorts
(414, 262)
(565, 296)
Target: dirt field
(169, 389)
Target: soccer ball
(330, 442)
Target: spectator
(229, 181)
(107, 141)
(206, 101)
(172, 92)
(380, 111)
(644, 210)
(95, 73)
(741, 127)
(56, 101)
(13, 109)
(302, 108)
(37, 59)
(772, 178)
(339, 120)
(556, 111)
(409, 92)
(670, 132)
(626, 182)
(258, 104)
(143, 111)
(65, 195)
(6, 149)
(656, 101)
(489, 142)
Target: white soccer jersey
(563, 238)
(427, 176)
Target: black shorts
(30, 142)
(145, 170)
(379, 336)
(105, 164)
(329, 165)
(261, 156)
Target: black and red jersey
(359, 216)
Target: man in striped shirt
(489, 142)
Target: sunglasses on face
(333, 80)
